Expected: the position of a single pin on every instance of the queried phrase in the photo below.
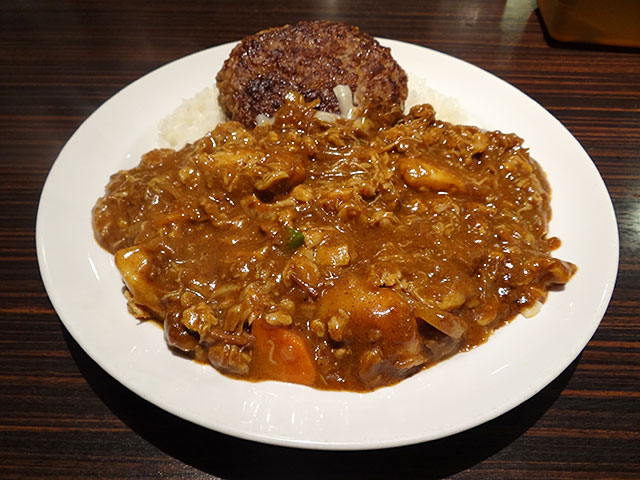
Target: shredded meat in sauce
(343, 255)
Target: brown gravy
(345, 255)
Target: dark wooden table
(61, 416)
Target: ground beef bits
(310, 58)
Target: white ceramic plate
(467, 390)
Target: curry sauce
(343, 255)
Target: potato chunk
(133, 264)
(377, 327)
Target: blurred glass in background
(605, 22)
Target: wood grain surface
(62, 417)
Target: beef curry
(342, 255)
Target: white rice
(197, 115)
(447, 108)
(193, 118)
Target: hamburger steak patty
(310, 58)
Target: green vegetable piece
(295, 238)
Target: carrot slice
(281, 354)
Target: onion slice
(446, 322)
(345, 101)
